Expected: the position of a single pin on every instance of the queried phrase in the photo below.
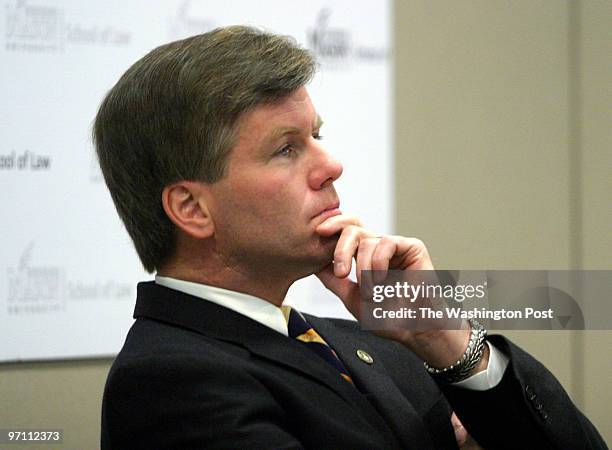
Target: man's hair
(173, 116)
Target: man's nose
(325, 169)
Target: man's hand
(371, 252)
(439, 348)
(384, 253)
(464, 440)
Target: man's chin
(315, 258)
(329, 243)
(318, 256)
(327, 247)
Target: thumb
(344, 288)
(461, 434)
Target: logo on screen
(186, 23)
(34, 289)
(40, 28)
(337, 47)
(34, 28)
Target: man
(210, 149)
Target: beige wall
(504, 155)
(594, 182)
(503, 161)
(59, 395)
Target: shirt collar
(248, 305)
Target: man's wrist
(438, 348)
(473, 360)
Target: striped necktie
(301, 330)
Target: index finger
(336, 224)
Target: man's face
(278, 188)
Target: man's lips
(330, 211)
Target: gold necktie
(301, 330)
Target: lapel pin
(365, 357)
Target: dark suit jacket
(195, 375)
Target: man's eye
(317, 136)
(287, 150)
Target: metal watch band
(462, 369)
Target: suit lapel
(177, 308)
(376, 384)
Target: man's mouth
(330, 211)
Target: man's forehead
(294, 112)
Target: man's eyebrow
(279, 132)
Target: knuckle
(420, 243)
(367, 243)
(386, 239)
(354, 220)
(380, 257)
(351, 229)
(378, 262)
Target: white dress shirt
(272, 316)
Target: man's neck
(269, 287)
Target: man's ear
(185, 203)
